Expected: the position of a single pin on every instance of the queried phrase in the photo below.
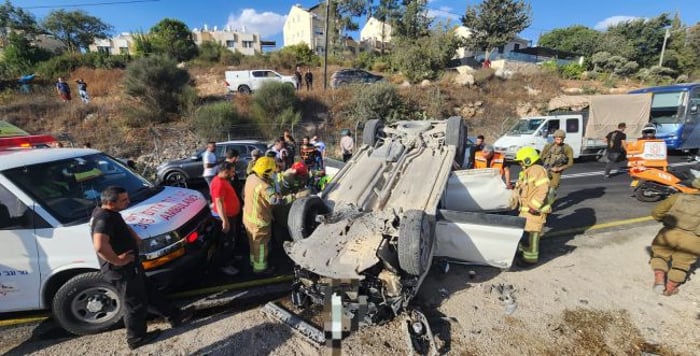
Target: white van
(47, 260)
(247, 81)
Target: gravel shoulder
(591, 295)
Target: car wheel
(244, 89)
(371, 132)
(87, 304)
(456, 136)
(303, 214)
(176, 179)
(416, 242)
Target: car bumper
(182, 270)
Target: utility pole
(663, 47)
(325, 46)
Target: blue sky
(267, 17)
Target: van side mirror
(694, 109)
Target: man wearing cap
(292, 181)
(616, 144)
(488, 158)
(677, 244)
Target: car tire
(175, 179)
(244, 89)
(87, 304)
(302, 216)
(456, 135)
(416, 242)
(371, 132)
(647, 193)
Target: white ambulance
(47, 260)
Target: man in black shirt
(616, 147)
(117, 247)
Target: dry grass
(101, 82)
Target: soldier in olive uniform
(678, 243)
(556, 157)
(532, 189)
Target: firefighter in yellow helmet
(532, 188)
(260, 197)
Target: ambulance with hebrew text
(47, 260)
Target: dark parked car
(353, 76)
(184, 172)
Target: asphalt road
(586, 198)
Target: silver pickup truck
(371, 235)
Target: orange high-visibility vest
(497, 161)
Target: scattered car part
(309, 331)
(419, 336)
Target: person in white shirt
(209, 162)
(347, 144)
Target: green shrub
(549, 66)
(571, 71)
(158, 85)
(60, 65)
(274, 106)
(425, 57)
(377, 101)
(381, 66)
(214, 121)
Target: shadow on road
(577, 197)
(256, 340)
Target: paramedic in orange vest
(260, 197)
(487, 158)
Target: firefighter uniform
(532, 189)
(678, 243)
(260, 197)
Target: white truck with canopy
(585, 130)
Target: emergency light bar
(31, 141)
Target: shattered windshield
(70, 189)
(666, 107)
(526, 126)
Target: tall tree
(645, 36)
(20, 55)
(75, 29)
(495, 22)
(172, 37)
(15, 19)
(576, 39)
(413, 21)
(679, 56)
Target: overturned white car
(372, 234)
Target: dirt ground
(591, 296)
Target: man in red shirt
(227, 206)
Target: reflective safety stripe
(541, 181)
(536, 203)
(546, 208)
(260, 264)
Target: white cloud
(264, 23)
(443, 12)
(613, 20)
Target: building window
(103, 50)
(247, 44)
(516, 46)
(231, 44)
(500, 49)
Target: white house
(375, 32)
(500, 52)
(305, 26)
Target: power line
(102, 3)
